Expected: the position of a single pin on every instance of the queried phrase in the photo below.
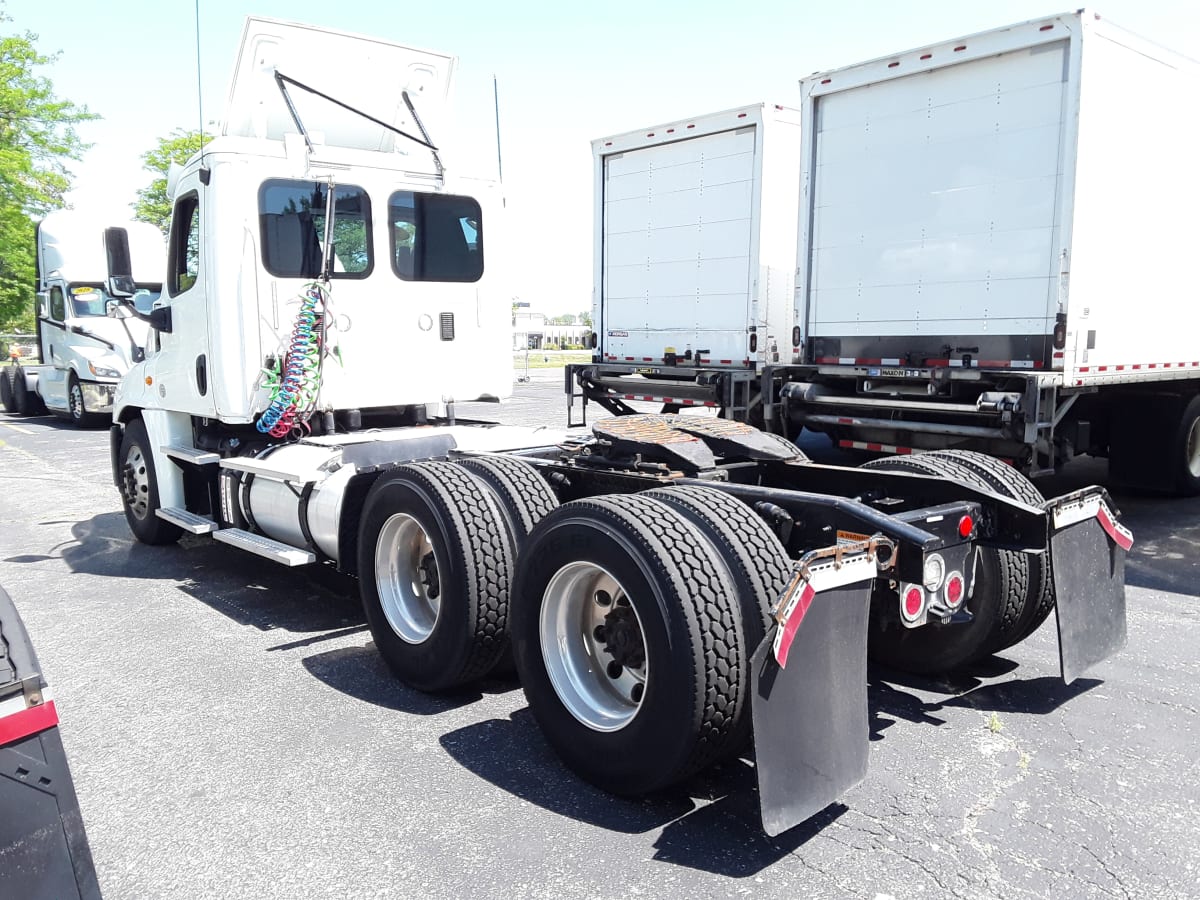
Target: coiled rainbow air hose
(294, 395)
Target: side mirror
(120, 269)
(110, 308)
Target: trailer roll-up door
(934, 211)
(678, 226)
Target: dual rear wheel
(632, 617)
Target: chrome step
(188, 521)
(191, 455)
(264, 468)
(285, 554)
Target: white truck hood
(364, 72)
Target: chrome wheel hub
(407, 578)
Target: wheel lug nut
(600, 633)
(614, 670)
(603, 598)
(636, 694)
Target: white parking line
(16, 428)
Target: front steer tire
(629, 642)
(434, 564)
(139, 488)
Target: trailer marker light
(826, 81)
(960, 47)
(954, 589)
(893, 65)
(927, 56)
(914, 602)
(741, 115)
(651, 134)
(1045, 28)
(670, 131)
(966, 525)
(149, 380)
(753, 343)
(691, 126)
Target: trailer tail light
(934, 573)
(796, 336)
(1060, 331)
(912, 602)
(966, 527)
(955, 590)
(754, 343)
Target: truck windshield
(435, 237)
(89, 299)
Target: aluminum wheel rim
(137, 482)
(76, 401)
(404, 590)
(577, 662)
(1193, 448)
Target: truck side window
(291, 218)
(184, 253)
(58, 305)
(435, 237)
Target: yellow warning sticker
(850, 537)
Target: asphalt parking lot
(233, 733)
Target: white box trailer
(694, 257)
(978, 269)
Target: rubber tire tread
(750, 550)
(475, 539)
(22, 402)
(1006, 480)
(525, 497)
(7, 398)
(924, 651)
(151, 530)
(693, 600)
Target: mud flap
(810, 713)
(1087, 551)
(43, 848)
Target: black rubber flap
(43, 848)
(1089, 584)
(810, 719)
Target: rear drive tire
(22, 402)
(1004, 479)
(1187, 451)
(629, 643)
(434, 564)
(139, 488)
(523, 495)
(998, 593)
(7, 399)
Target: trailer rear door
(934, 209)
(678, 236)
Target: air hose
(294, 392)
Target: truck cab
(83, 352)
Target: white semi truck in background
(666, 586)
(81, 351)
(969, 270)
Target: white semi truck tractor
(668, 586)
(82, 353)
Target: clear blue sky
(568, 72)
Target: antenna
(199, 84)
(499, 161)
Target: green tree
(152, 204)
(37, 138)
(585, 318)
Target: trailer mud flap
(43, 848)
(1087, 551)
(810, 694)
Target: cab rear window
(435, 237)
(292, 225)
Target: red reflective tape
(784, 642)
(28, 721)
(1083, 368)
(877, 448)
(903, 451)
(827, 360)
(726, 362)
(869, 362)
(1120, 535)
(843, 421)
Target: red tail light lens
(955, 590)
(912, 602)
(966, 526)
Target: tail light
(912, 603)
(955, 590)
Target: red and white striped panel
(875, 448)
(931, 363)
(672, 400)
(1136, 367)
(19, 720)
